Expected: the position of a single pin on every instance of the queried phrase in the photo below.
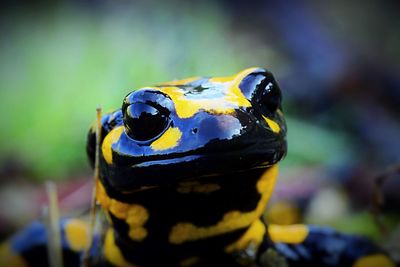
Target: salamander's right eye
(146, 114)
(145, 122)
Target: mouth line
(149, 172)
(251, 153)
(166, 161)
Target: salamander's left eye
(144, 122)
(270, 97)
(263, 91)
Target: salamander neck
(190, 222)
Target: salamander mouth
(169, 169)
(253, 157)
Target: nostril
(194, 130)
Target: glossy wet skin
(192, 128)
(187, 168)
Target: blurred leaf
(312, 145)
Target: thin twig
(86, 256)
(54, 248)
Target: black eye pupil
(270, 98)
(144, 122)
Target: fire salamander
(186, 170)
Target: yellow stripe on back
(232, 220)
(113, 253)
(253, 237)
(135, 215)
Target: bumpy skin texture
(186, 170)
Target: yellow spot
(233, 220)
(77, 234)
(134, 215)
(197, 187)
(273, 125)
(112, 252)
(137, 215)
(283, 213)
(253, 236)
(9, 258)
(137, 234)
(119, 209)
(136, 218)
(291, 234)
(375, 260)
(189, 261)
(169, 139)
(111, 138)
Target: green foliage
(59, 65)
(313, 145)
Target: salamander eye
(270, 96)
(263, 91)
(144, 122)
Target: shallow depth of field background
(337, 64)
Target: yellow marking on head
(375, 260)
(8, 257)
(186, 108)
(197, 187)
(233, 220)
(169, 139)
(253, 236)
(113, 253)
(283, 213)
(77, 234)
(291, 234)
(111, 138)
(236, 94)
(231, 96)
(189, 261)
(273, 125)
(134, 215)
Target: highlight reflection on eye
(270, 98)
(145, 122)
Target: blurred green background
(337, 64)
